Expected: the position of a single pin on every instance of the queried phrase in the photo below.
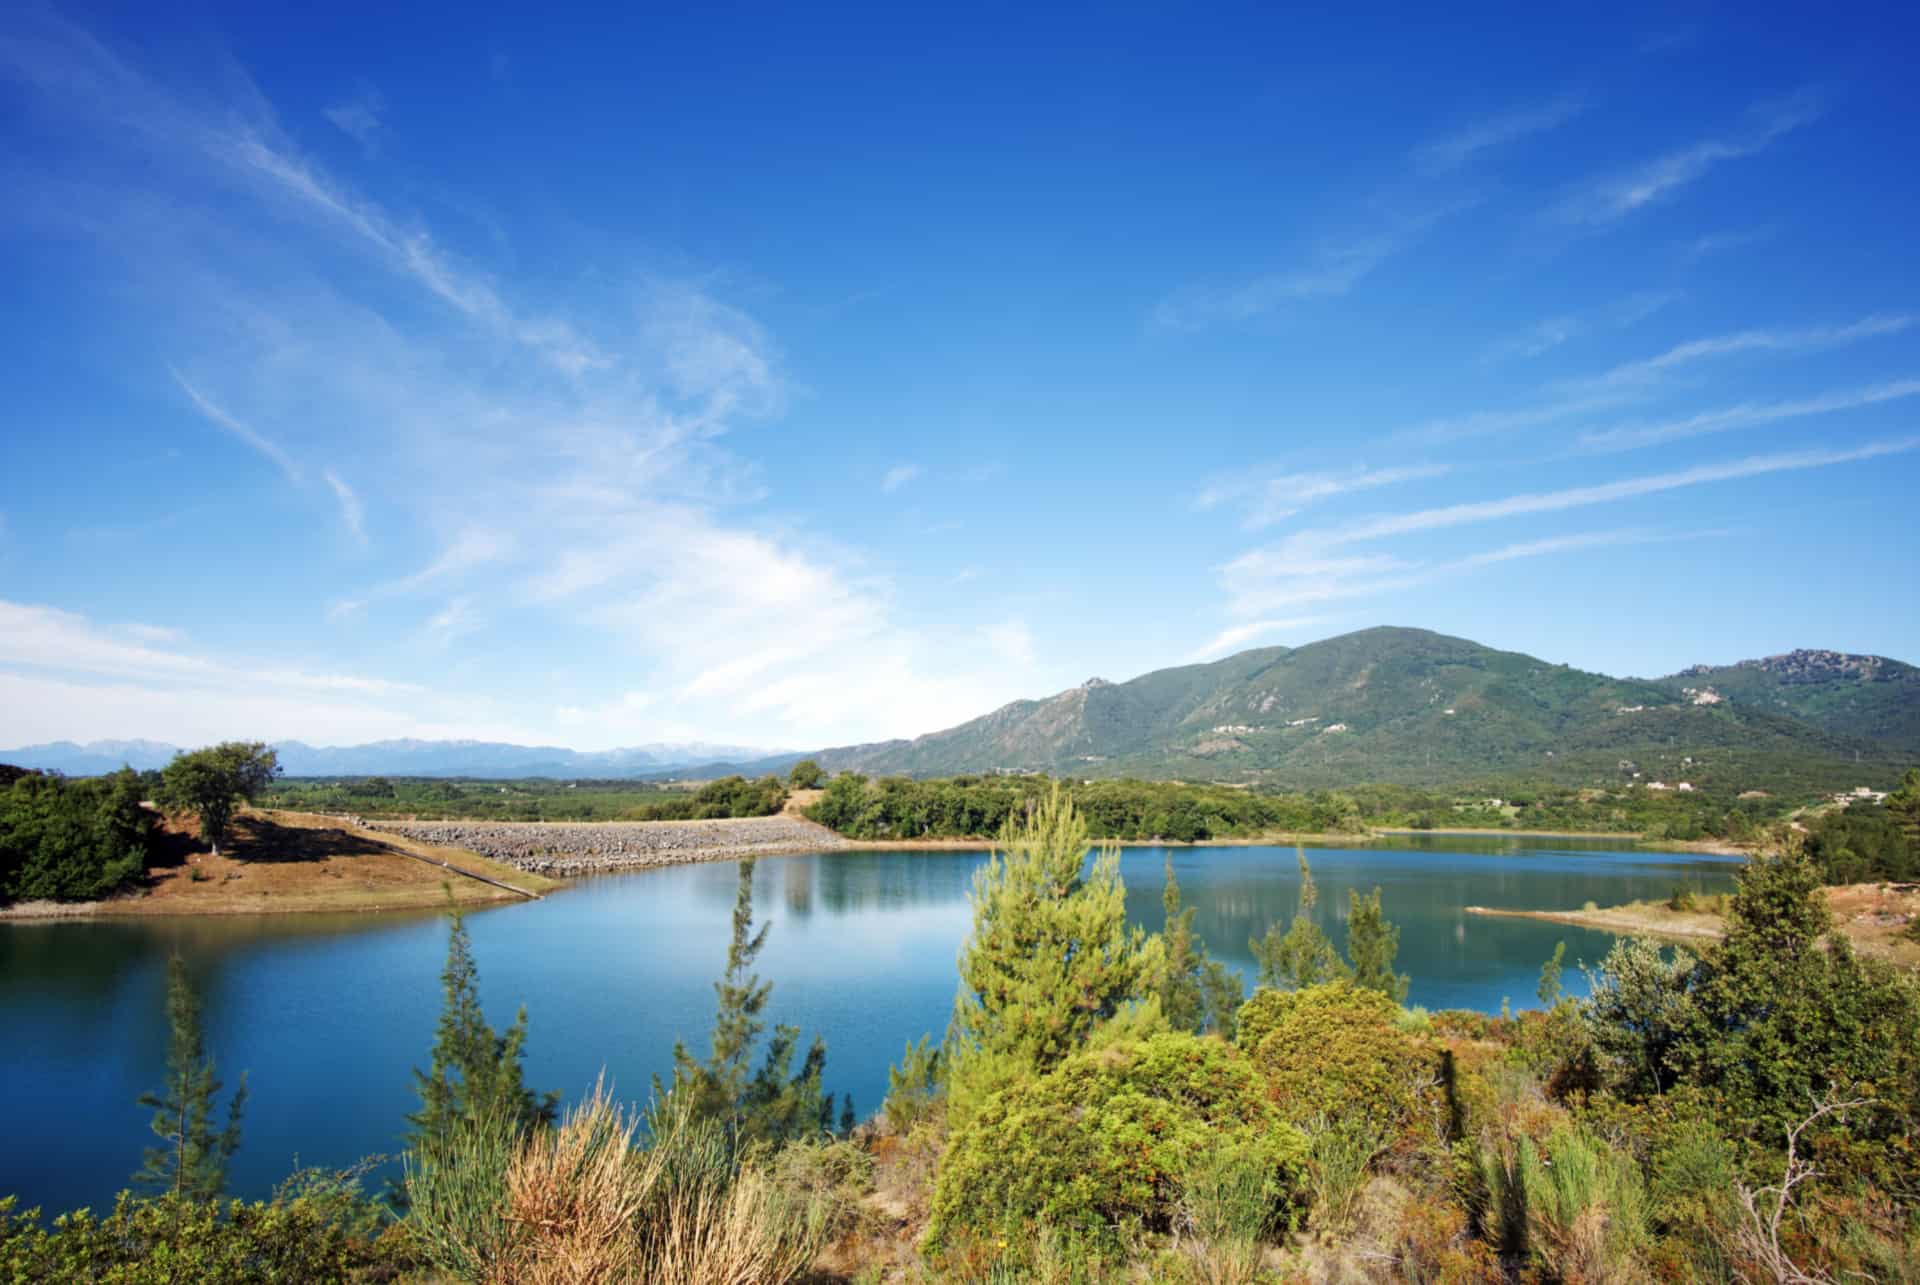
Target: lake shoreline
(539, 856)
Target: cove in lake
(329, 1014)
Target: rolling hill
(1868, 697)
(1387, 704)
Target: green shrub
(1105, 1139)
(913, 1087)
(1336, 1052)
(1693, 1170)
(172, 1240)
(1586, 1207)
(1228, 1195)
(1572, 1205)
(1339, 1153)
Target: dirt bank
(293, 862)
(1875, 917)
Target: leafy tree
(1549, 991)
(474, 1073)
(773, 1103)
(212, 782)
(1302, 956)
(191, 1161)
(806, 775)
(1641, 1006)
(1050, 956)
(1372, 943)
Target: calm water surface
(329, 1015)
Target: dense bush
(1861, 843)
(730, 796)
(1103, 1140)
(66, 840)
(1335, 1053)
(173, 1241)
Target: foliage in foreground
(191, 1160)
(1050, 958)
(473, 1072)
(1105, 1139)
(174, 1240)
(592, 1200)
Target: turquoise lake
(329, 1014)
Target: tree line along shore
(153, 842)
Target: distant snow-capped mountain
(404, 758)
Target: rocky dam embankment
(561, 848)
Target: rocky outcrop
(561, 848)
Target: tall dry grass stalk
(575, 1194)
(586, 1204)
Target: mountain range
(1380, 705)
(490, 759)
(1416, 707)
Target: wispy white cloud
(1235, 637)
(1276, 580)
(352, 512)
(1460, 428)
(1453, 150)
(1713, 243)
(1536, 340)
(455, 620)
(471, 547)
(1638, 381)
(64, 676)
(1747, 415)
(898, 476)
(1332, 269)
(218, 415)
(1544, 336)
(1452, 515)
(1806, 339)
(359, 117)
(1012, 641)
(1612, 197)
(1270, 500)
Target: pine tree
(1050, 956)
(770, 1104)
(192, 1160)
(1904, 805)
(1181, 1000)
(1372, 943)
(1302, 956)
(474, 1073)
(1196, 993)
(1549, 991)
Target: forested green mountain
(1385, 704)
(1868, 697)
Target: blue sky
(792, 375)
